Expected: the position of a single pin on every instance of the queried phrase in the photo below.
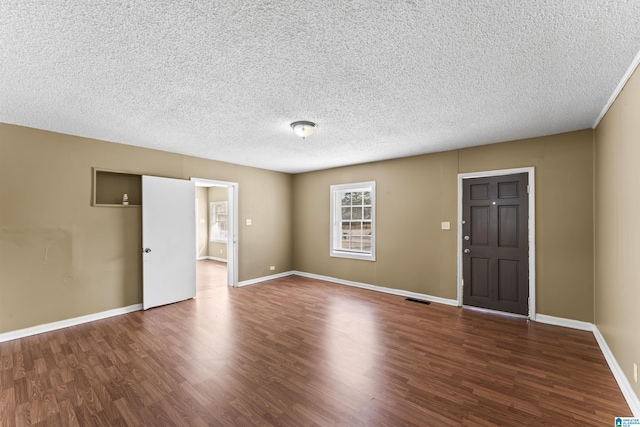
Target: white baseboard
(212, 258)
(625, 387)
(48, 327)
(392, 291)
(264, 279)
(399, 292)
(567, 323)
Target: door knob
(466, 237)
(467, 251)
(146, 250)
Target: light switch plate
(446, 225)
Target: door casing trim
(531, 228)
(232, 239)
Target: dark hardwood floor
(302, 352)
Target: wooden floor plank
(7, 408)
(302, 352)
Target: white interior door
(168, 232)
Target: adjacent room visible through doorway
(217, 228)
(210, 275)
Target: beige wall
(62, 258)
(217, 249)
(57, 247)
(202, 195)
(415, 194)
(617, 209)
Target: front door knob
(467, 251)
(147, 250)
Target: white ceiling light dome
(303, 128)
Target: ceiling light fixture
(303, 128)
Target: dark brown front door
(495, 266)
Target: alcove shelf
(109, 186)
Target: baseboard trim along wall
(48, 327)
(212, 258)
(399, 292)
(264, 279)
(625, 387)
(567, 323)
(392, 291)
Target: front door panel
(495, 263)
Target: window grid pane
(346, 213)
(356, 212)
(356, 221)
(366, 212)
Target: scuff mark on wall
(36, 244)
(32, 260)
(46, 252)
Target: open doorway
(216, 232)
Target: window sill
(353, 255)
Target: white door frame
(232, 238)
(197, 225)
(532, 229)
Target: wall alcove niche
(110, 186)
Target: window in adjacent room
(353, 220)
(218, 222)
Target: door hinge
(528, 188)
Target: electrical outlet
(248, 222)
(446, 225)
(635, 372)
(272, 268)
(221, 251)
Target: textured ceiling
(223, 79)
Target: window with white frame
(353, 226)
(218, 222)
